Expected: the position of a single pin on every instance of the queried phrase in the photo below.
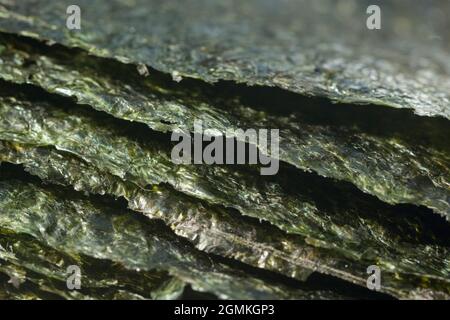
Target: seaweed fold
(403, 160)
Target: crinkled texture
(219, 231)
(297, 208)
(33, 264)
(77, 225)
(403, 160)
(212, 228)
(261, 42)
(272, 49)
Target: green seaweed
(404, 160)
(221, 232)
(33, 264)
(258, 42)
(331, 227)
(78, 225)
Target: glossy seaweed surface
(87, 177)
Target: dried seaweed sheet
(78, 225)
(31, 265)
(211, 228)
(216, 230)
(394, 164)
(109, 146)
(404, 160)
(404, 65)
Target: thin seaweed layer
(258, 42)
(76, 224)
(350, 225)
(214, 229)
(34, 265)
(398, 157)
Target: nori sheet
(393, 155)
(74, 224)
(34, 265)
(316, 48)
(219, 231)
(199, 42)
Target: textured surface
(364, 115)
(393, 155)
(211, 228)
(77, 225)
(35, 265)
(215, 230)
(405, 64)
(112, 147)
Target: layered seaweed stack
(86, 175)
